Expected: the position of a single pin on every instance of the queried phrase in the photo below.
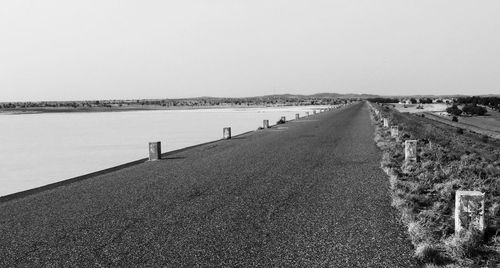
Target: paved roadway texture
(308, 193)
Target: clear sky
(102, 49)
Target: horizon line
(339, 95)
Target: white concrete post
(297, 116)
(386, 122)
(394, 131)
(154, 151)
(265, 124)
(469, 211)
(226, 133)
(411, 150)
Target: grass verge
(424, 191)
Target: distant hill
(347, 95)
(437, 96)
(322, 95)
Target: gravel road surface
(308, 193)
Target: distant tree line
(492, 102)
(384, 100)
(273, 100)
(426, 100)
(454, 110)
(469, 109)
(473, 109)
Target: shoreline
(64, 182)
(22, 111)
(67, 181)
(265, 181)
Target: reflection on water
(38, 149)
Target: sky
(125, 49)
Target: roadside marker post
(386, 122)
(226, 133)
(265, 124)
(411, 150)
(297, 116)
(154, 151)
(394, 131)
(469, 211)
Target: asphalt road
(308, 193)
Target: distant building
(404, 101)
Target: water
(38, 149)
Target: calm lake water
(38, 149)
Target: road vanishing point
(308, 193)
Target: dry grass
(485, 125)
(412, 108)
(490, 121)
(423, 191)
